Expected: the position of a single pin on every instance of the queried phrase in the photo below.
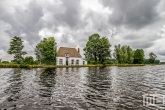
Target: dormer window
(66, 54)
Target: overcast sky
(138, 23)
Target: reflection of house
(69, 56)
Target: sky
(137, 23)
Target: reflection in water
(46, 84)
(14, 89)
(94, 88)
(97, 93)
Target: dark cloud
(162, 53)
(133, 14)
(140, 44)
(66, 14)
(130, 37)
(25, 23)
(71, 23)
(72, 12)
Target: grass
(11, 65)
(129, 65)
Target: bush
(28, 60)
(91, 61)
(5, 62)
(108, 61)
(36, 62)
(23, 66)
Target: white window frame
(61, 61)
(72, 61)
(77, 62)
(66, 54)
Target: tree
(117, 53)
(139, 56)
(5, 62)
(91, 49)
(28, 60)
(104, 51)
(123, 54)
(45, 51)
(16, 47)
(152, 57)
(97, 49)
(130, 55)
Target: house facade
(69, 56)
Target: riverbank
(64, 66)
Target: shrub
(28, 60)
(5, 62)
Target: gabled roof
(71, 51)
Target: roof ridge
(68, 47)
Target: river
(87, 88)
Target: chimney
(78, 50)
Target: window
(77, 62)
(72, 62)
(66, 54)
(83, 62)
(61, 62)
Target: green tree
(117, 53)
(152, 57)
(5, 62)
(28, 60)
(104, 51)
(130, 55)
(97, 49)
(45, 51)
(16, 47)
(123, 54)
(139, 56)
(91, 49)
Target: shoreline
(69, 66)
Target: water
(93, 88)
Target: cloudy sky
(138, 23)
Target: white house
(69, 56)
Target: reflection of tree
(15, 86)
(98, 87)
(67, 69)
(46, 82)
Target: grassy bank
(129, 65)
(63, 66)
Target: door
(66, 60)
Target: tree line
(97, 51)
(45, 52)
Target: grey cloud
(162, 53)
(133, 14)
(72, 12)
(130, 37)
(141, 45)
(28, 20)
(25, 21)
(67, 14)
(137, 40)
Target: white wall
(69, 60)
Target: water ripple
(93, 88)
